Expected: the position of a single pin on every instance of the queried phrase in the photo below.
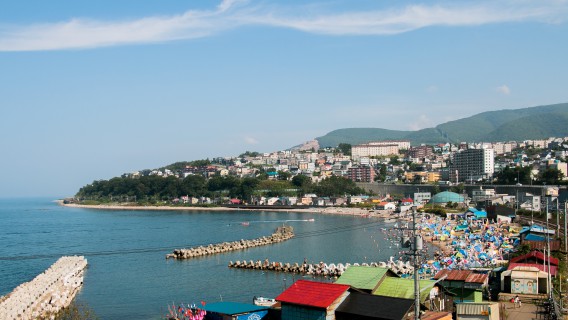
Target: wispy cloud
(250, 140)
(230, 14)
(422, 122)
(504, 89)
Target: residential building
(361, 174)
(379, 148)
(472, 165)
(420, 152)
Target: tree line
(156, 188)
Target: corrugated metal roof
(312, 293)
(472, 308)
(403, 288)
(461, 275)
(361, 277)
(453, 275)
(477, 278)
(232, 308)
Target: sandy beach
(326, 210)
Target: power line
(315, 233)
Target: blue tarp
(534, 237)
(480, 214)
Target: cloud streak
(231, 14)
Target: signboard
(524, 286)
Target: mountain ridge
(490, 126)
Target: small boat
(264, 302)
(246, 223)
(311, 220)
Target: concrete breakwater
(320, 269)
(281, 234)
(47, 293)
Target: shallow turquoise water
(128, 275)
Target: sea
(128, 275)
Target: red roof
(534, 254)
(313, 294)
(461, 275)
(541, 267)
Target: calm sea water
(128, 275)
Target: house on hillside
(386, 206)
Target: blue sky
(90, 90)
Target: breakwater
(47, 293)
(281, 234)
(321, 268)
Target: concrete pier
(47, 293)
(281, 234)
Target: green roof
(446, 196)
(403, 288)
(362, 277)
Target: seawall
(47, 293)
(281, 234)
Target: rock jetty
(281, 234)
(47, 293)
(320, 269)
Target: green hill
(503, 125)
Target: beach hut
(432, 295)
(312, 300)
(364, 278)
(524, 280)
(364, 306)
(480, 311)
(466, 285)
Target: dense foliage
(156, 188)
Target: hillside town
(495, 212)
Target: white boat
(264, 302)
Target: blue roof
(480, 214)
(534, 237)
(232, 308)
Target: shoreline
(326, 210)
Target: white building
(379, 148)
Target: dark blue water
(128, 275)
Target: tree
(284, 175)
(345, 148)
(514, 175)
(394, 160)
(551, 176)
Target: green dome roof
(446, 196)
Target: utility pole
(565, 227)
(416, 254)
(415, 247)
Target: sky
(90, 90)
